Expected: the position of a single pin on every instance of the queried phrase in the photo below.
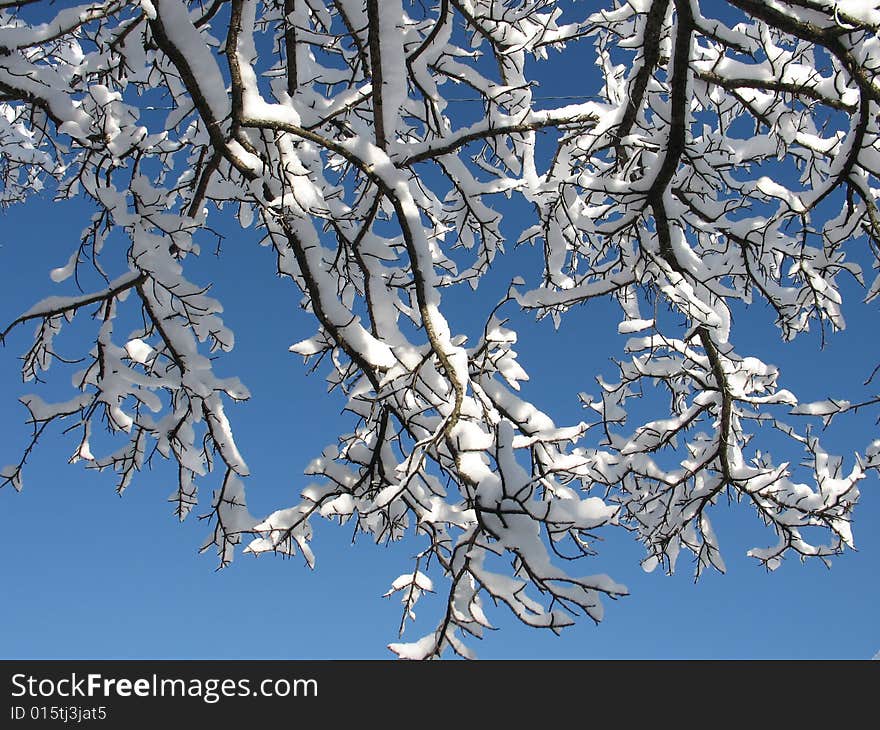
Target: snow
(421, 649)
(62, 273)
(349, 326)
(393, 63)
(139, 351)
(775, 190)
(417, 579)
(59, 303)
(148, 8)
(634, 325)
(859, 10)
(181, 32)
(821, 408)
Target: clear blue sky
(88, 574)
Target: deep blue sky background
(88, 574)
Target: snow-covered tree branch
(728, 156)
